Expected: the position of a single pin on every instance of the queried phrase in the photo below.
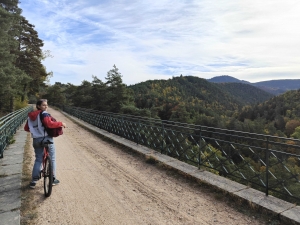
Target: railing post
(110, 123)
(199, 153)
(267, 167)
(122, 129)
(163, 137)
(101, 121)
(138, 131)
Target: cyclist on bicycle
(35, 126)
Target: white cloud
(250, 40)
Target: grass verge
(28, 210)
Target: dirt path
(101, 184)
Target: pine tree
(117, 95)
(21, 70)
(99, 91)
(29, 58)
(10, 75)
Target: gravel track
(102, 184)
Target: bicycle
(47, 169)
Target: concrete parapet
(291, 215)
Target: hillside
(280, 112)
(246, 93)
(185, 98)
(275, 87)
(188, 92)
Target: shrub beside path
(104, 184)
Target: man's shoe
(55, 182)
(32, 184)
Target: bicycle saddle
(47, 142)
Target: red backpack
(52, 132)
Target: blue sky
(252, 40)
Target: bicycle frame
(46, 153)
(47, 169)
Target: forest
(22, 73)
(187, 99)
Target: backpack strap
(41, 119)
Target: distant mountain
(226, 79)
(278, 86)
(275, 87)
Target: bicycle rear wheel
(48, 176)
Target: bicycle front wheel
(48, 176)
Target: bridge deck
(103, 182)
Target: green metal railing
(9, 124)
(267, 163)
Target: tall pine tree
(10, 75)
(29, 58)
(21, 70)
(118, 95)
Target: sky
(252, 40)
